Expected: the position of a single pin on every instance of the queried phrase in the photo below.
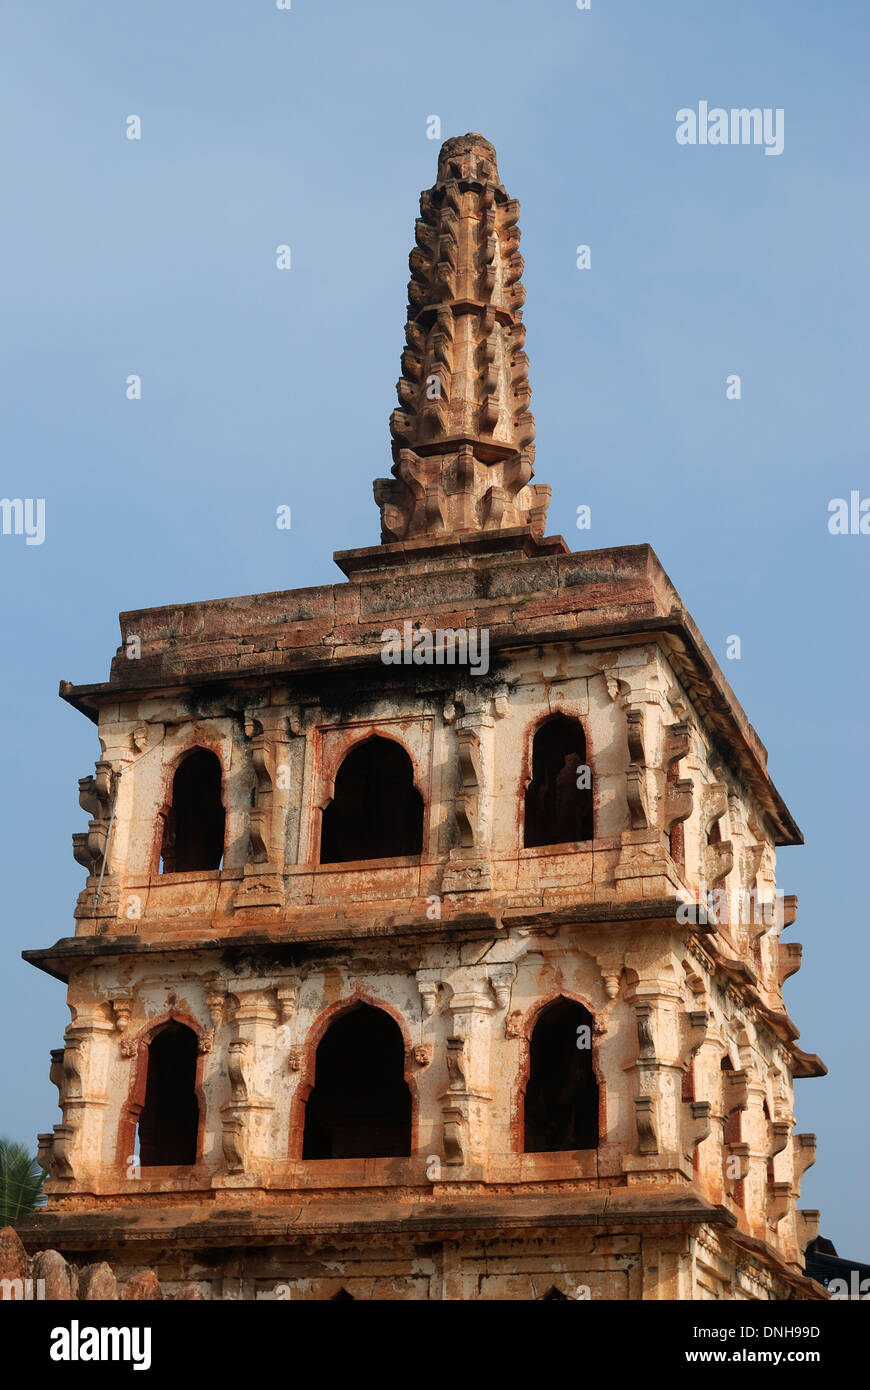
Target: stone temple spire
(463, 434)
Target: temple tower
(431, 944)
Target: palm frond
(21, 1180)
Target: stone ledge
(191, 1227)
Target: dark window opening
(376, 811)
(558, 803)
(342, 1297)
(360, 1106)
(193, 833)
(561, 1101)
(554, 1295)
(169, 1121)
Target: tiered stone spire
(463, 435)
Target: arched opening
(169, 1122)
(376, 811)
(193, 832)
(360, 1105)
(554, 1295)
(342, 1297)
(561, 1100)
(559, 796)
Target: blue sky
(261, 387)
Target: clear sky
(263, 387)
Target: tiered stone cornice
(463, 434)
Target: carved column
(466, 1101)
(250, 1065)
(658, 1070)
(80, 1071)
(653, 807)
(266, 731)
(468, 868)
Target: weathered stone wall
(459, 943)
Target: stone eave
(766, 1255)
(743, 979)
(56, 960)
(353, 1215)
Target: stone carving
(719, 857)
(645, 1119)
(463, 433)
(54, 1151)
(95, 797)
(122, 1007)
(214, 1000)
(804, 1155)
(456, 1064)
(779, 1197)
(788, 960)
(779, 1132)
(513, 1024)
(468, 795)
(453, 1137)
(233, 1143)
(646, 1047)
(429, 995)
(698, 1128)
(287, 995)
(236, 1067)
(261, 811)
(696, 1025)
(635, 777)
(501, 979)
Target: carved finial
(463, 433)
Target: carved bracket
(679, 802)
(698, 1127)
(647, 1128)
(735, 1090)
(429, 996)
(501, 978)
(646, 1046)
(714, 804)
(718, 863)
(676, 742)
(122, 1008)
(695, 1026)
(778, 1136)
(779, 1198)
(454, 1138)
(788, 960)
(467, 800)
(804, 1155)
